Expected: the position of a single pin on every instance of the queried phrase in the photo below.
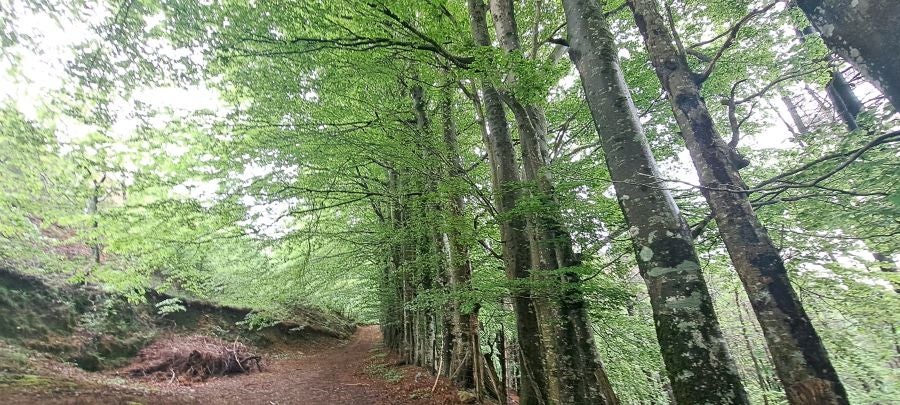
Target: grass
(31, 381)
(13, 359)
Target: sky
(40, 70)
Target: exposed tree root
(193, 358)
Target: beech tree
(503, 186)
(797, 351)
(865, 34)
(662, 239)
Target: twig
(438, 376)
(490, 250)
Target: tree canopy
(470, 176)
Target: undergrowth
(379, 367)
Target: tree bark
(424, 244)
(93, 209)
(392, 290)
(574, 365)
(795, 115)
(502, 359)
(845, 103)
(799, 356)
(693, 347)
(465, 324)
(864, 33)
(516, 252)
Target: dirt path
(356, 372)
(333, 376)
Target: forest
(536, 201)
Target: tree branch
(729, 40)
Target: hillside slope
(96, 330)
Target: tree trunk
(577, 373)
(865, 33)
(502, 359)
(447, 345)
(693, 348)
(800, 358)
(516, 254)
(795, 115)
(845, 103)
(93, 204)
(465, 325)
(392, 293)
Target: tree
(797, 351)
(516, 251)
(661, 238)
(571, 351)
(865, 34)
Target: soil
(357, 372)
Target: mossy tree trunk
(576, 373)
(693, 348)
(516, 252)
(464, 320)
(798, 353)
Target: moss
(379, 368)
(98, 331)
(87, 361)
(76, 323)
(31, 381)
(29, 309)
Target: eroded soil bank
(74, 344)
(355, 371)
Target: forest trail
(328, 377)
(336, 375)
(355, 372)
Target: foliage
(257, 321)
(169, 305)
(278, 190)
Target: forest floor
(358, 372)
